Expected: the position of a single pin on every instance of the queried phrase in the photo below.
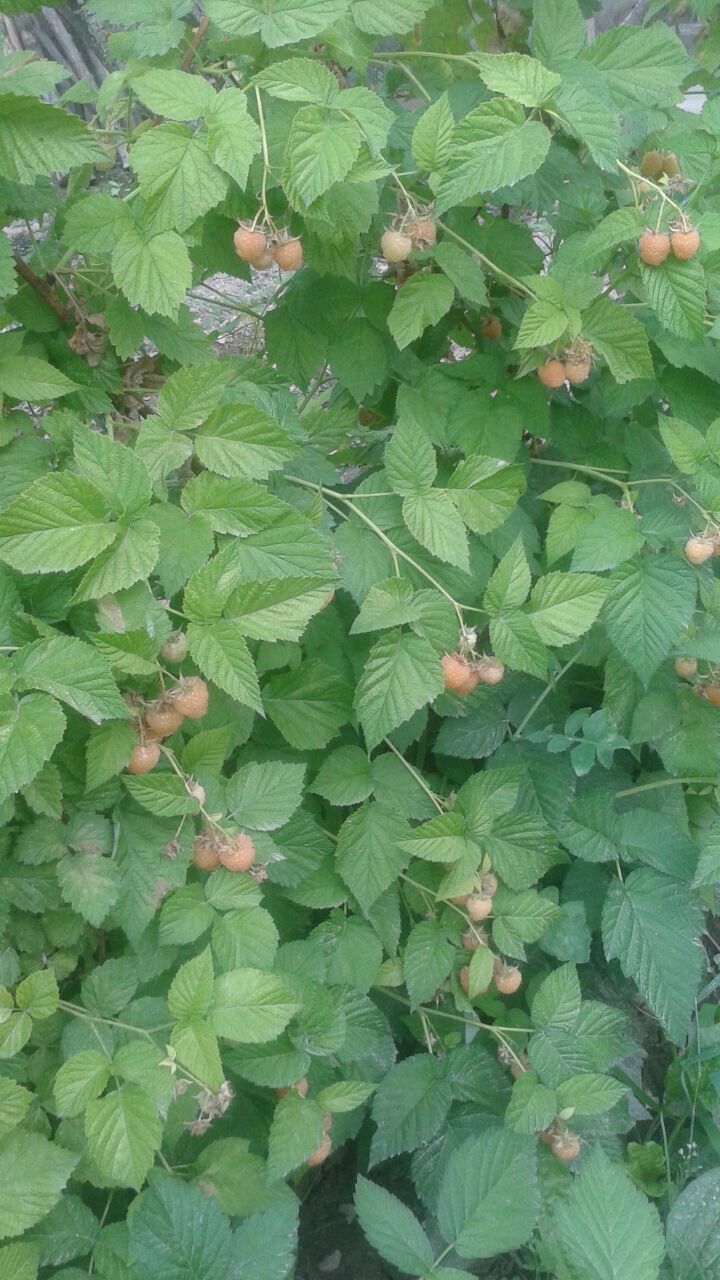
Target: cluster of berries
(563, 1143)
(572, 366)
(478, 906)
(263, 251)
(655, 246)
(462, 674)
(188, 699)
(698, 550)
(413, 233)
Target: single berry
(464, 979)
(489, 884)
(191, 698)
(478, 906)
(205, 853)
(175, 647)
(489, 670)
(651, 165)
(321, 1153)
(288, 255)
(492, 328)
(670, 164)
(577, 371)
(162, 719)
(395, 246)
(654, 247)
(552, 373)
(685, 244)
(458, 673)
(264, 260)
(507, 979)
(422, 232)
(698, 550)
(473, 938)
(686, 667)
(566, 1146)
(249, 244)
(145, 756)
(238, 853)
(712, 693)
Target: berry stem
(266, 160)
(491, 266)
(638, 177)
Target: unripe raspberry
(478, 906)
(552, 373)
(395, 246)
(249, 244)
(144, 757)
(654, 247)
(685, 244)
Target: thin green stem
(542, 696)
(666, 782)
(266, 159)
(488, 262)
(639, 178)
(379, 533)
(417, 776)
(414, 80)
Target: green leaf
(14, 1102)
(605, 542)
(693, 1228)
(346, 1095)
(516, 642)
(532, 1106)
(123, 1133)
(427, 960)
(344, 777)
(648, 604)
(321, 149)
(263, 797)
(676, 292)
(8, 279)
(176, 176)
(241, 440)
(74, 673)
(222, 654)
(485, 491)
(605, 1226)
(543, 323)
(589, 120)
(38, 994)
(369, 852)
(277, 608)
(488, 1199)
(493, 147)
(558, 30)
(359, 357)
(619, 337)
(432, 136)
(422, 301)
(299, 80)
(113, 469)
(651, 924)
(28, 378)
(563, 606)
(392, 1229)
(174, 94)
(388, 17)
(153, 271)
(58, 523)
(519, 918)
(131, 558)
(19, 1261)
(33, 1173)
(464, 272)
(556, 1002)
(309, 704)
(177, 1230)
(287, 22)
(187, 398)
(36, 138)
(109, 748)
(433, 520)
(28, 736)
(196, 1046)
(90, 884)
(510, 583)
(517, 76)
(230, 505)
(80, 1079)
(296, 1131)
(191, 990)
(589, 1094)
(445, 838)
(402, 674)
(95, 224)
(410, 1106)
(250, 1007)
(640, 67)
(410, 463)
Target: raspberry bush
(359, 736)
